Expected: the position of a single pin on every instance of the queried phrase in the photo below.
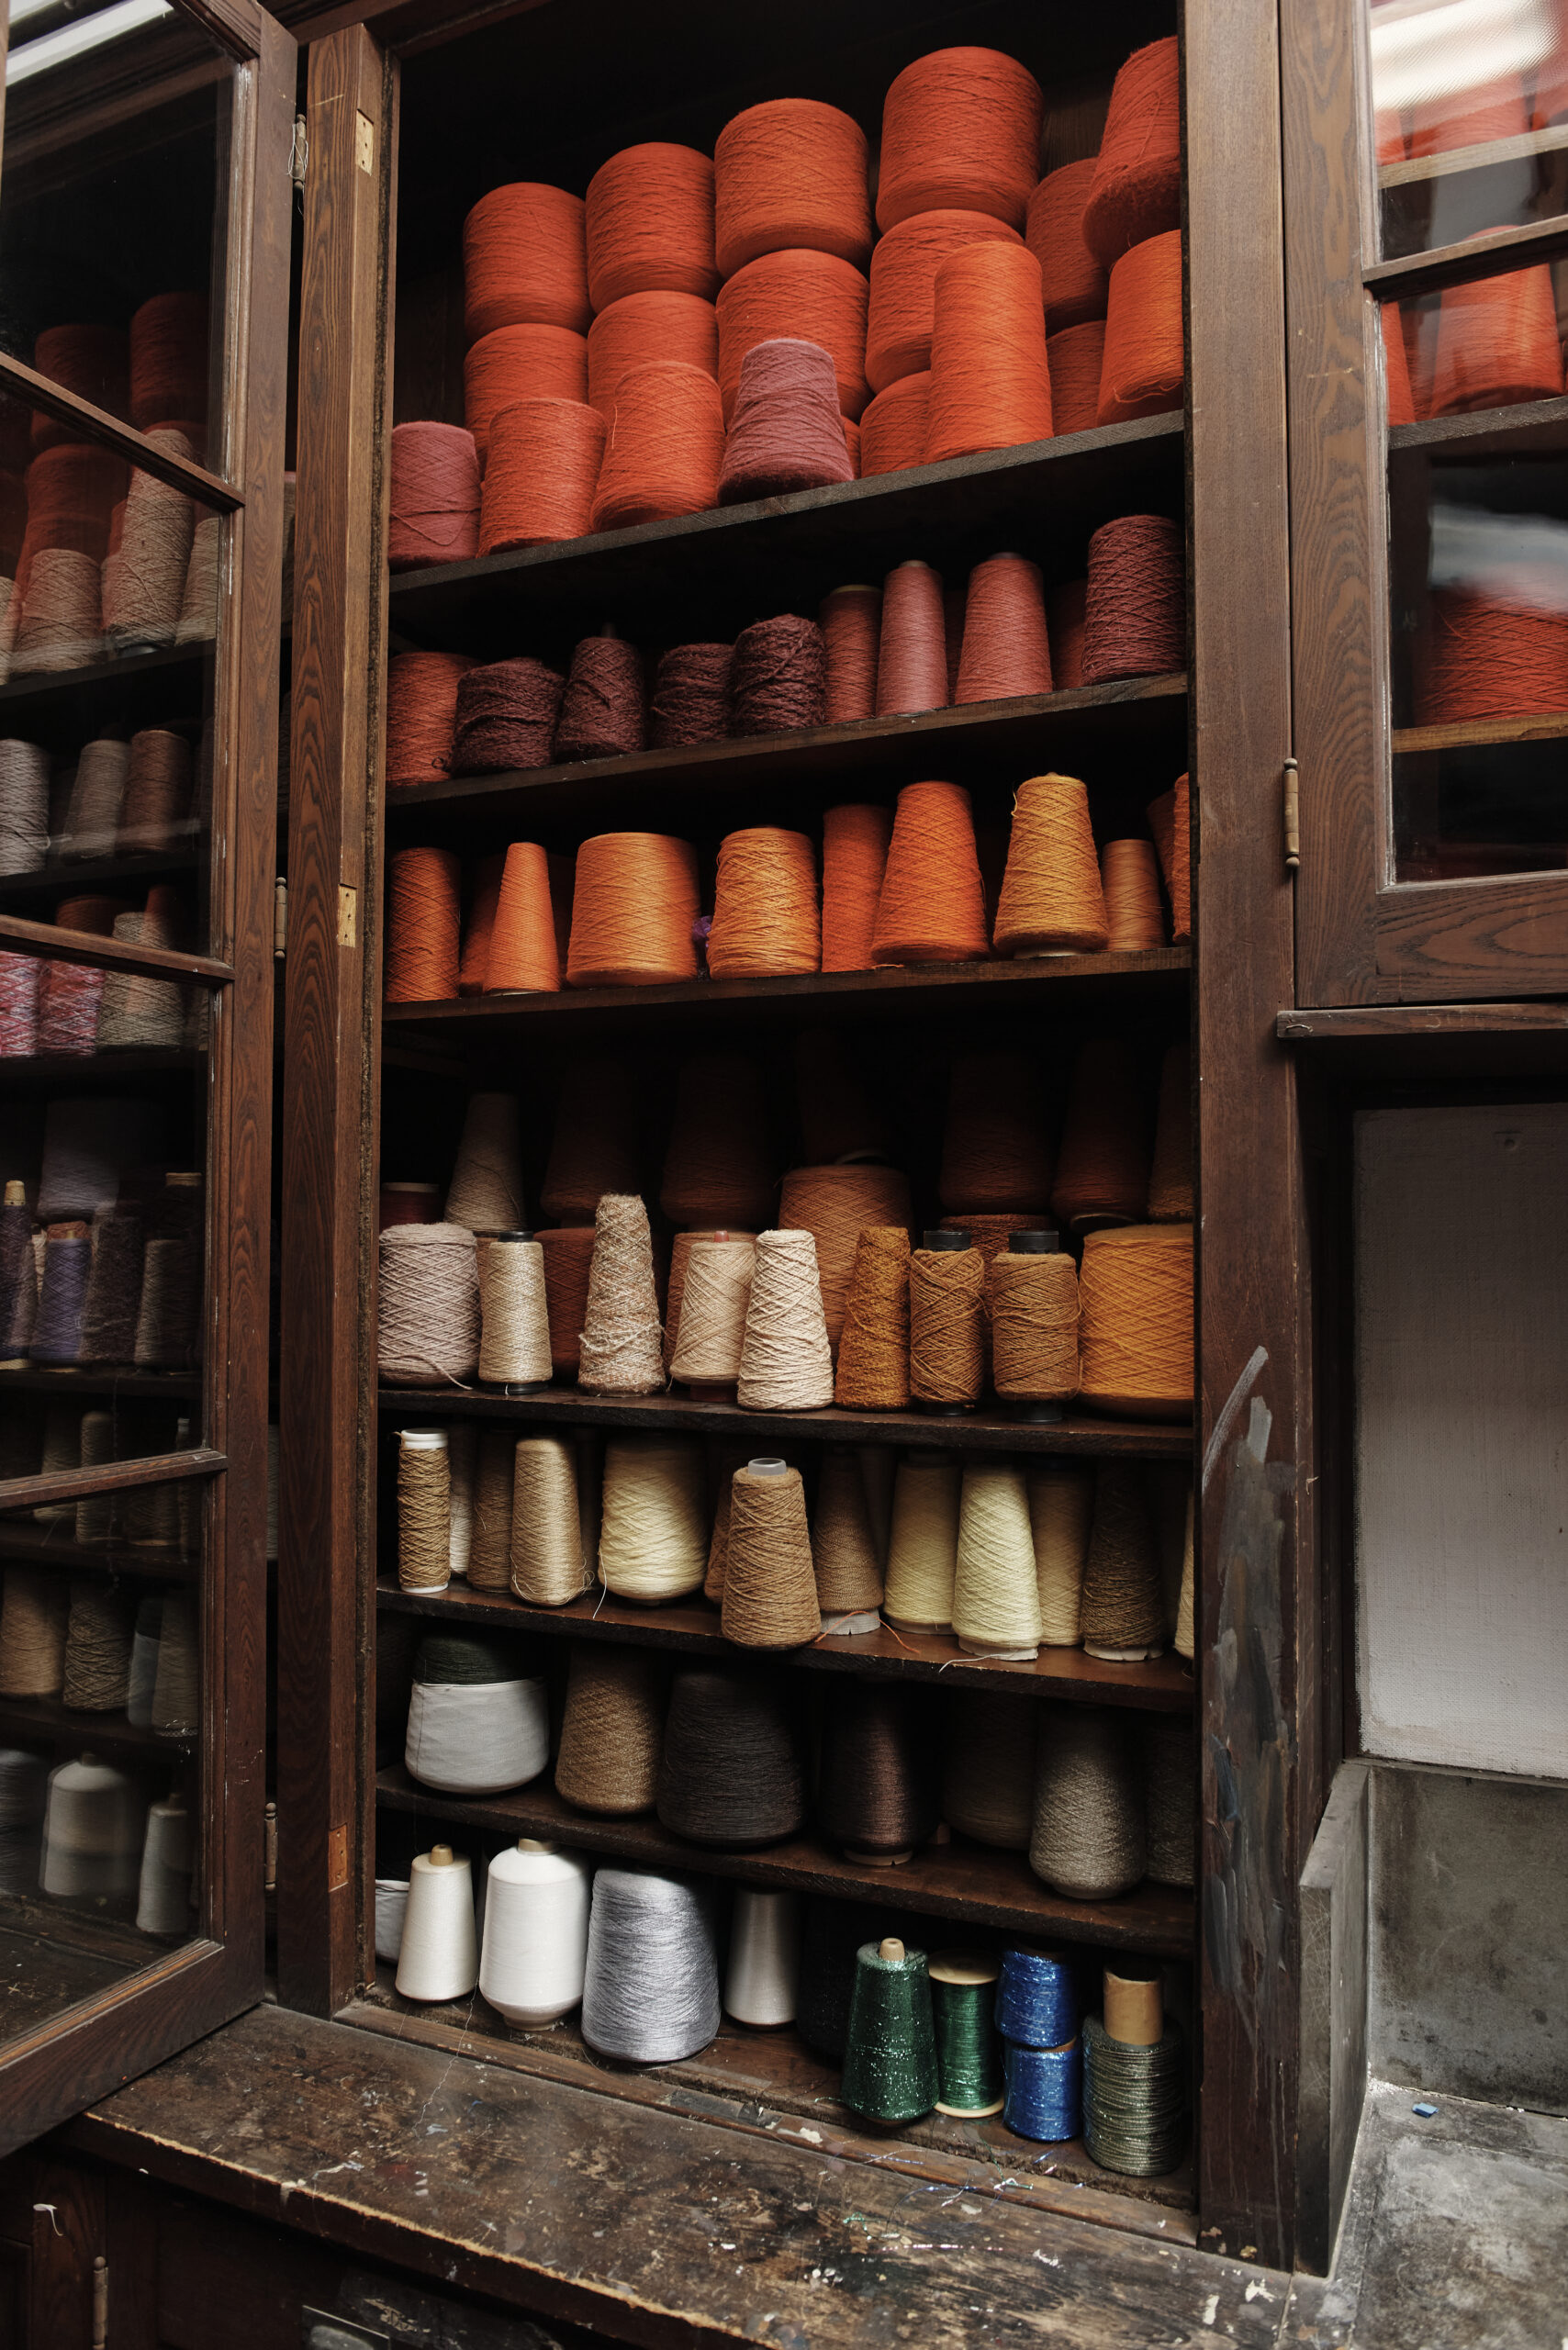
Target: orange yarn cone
(1169, 820)
(664, 449)
(475, 960)
(1076, 358)
(852, 443)
(990, 386)
(648, 223)
(515, 364)
(851, 622)
(790, 174)
(903, 287)
(633, 909)
(995, 1157)
(960, 132)
(912, 659)
(541, 475)
(645, 331)
(931, 908)
(1052, 899)
(1401, 399)
(1136, 193)
(855, 854)
(1006, 648)
(719, 1168)
(835, 1205)
(1103, 1164)
(423, 898)
(765, 920)
(525, 261)
(1497, 344)
(523, 960)
(1133, 910)
(1502, 654)
(815, 297)
(1136, 1322)
(892, 429)
(93, 362)
(1143, 369)
(1469, 117)
(1075, 285)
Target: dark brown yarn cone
(843, 1549)
(872, 1374)
(995, 1156)
(988, 1766)
(730, 1774)
(609, 1761)
(1170, 1793)
(1103, 1166)
(1122, 1607)
(1170, 1174)
(876, 1793)
(719, 1170)
(770, 1593)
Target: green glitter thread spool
(968, 2059)
(890, 2061)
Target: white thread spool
(764, 1975)
(536, 1929)
(514, 1325)
(440, 1953)
(922, 1546)
(92, 1832)
(996, 1601)
(651, 1988)
(164, 1900)
(486, 1191)
(142, 1681)
(476, 1737)
(653, 1543)
(391, 1902)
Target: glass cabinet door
(1426, 210)
(145, 249)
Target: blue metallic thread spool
(1045, 2092)
(1036, 1998)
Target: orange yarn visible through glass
(855, 852)
(1052, 901)
(633, 909)
(990, 386)
(522, 957)
(1497, 344)
(1495, 654)
(765, 922)
(1136, 916)
(1401, 397)
(931, 908)
(423, 899)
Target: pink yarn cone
(911, 660)
(1007, 649)
(786, 431)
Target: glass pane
(112, 220)
(1469, 101)
(1494, 344)
(100, 1800)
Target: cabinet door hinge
(100, 2303)
(269, 1848)
(299, 159)
(1291, 815)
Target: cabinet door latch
(1290, 810)
(100, 2303)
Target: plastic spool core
(441, 1856)
(1035, 1244)
(892, 1950)
(768, 1468)
(533, 1844)
(1134, 2006)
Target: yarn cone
(1053, 900)
(1122, 1612)
(890, 2061)
(622, 1343)
(1103, 1166)
(770, 1597)
(844, 1550)
(932, 907)
(872, 1372)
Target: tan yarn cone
(1061, 1508)
(1052, 902)
(844, 1550)
(609, 1761)
(770, 1593)
(622, 1347)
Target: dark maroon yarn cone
(786, 431)
(691, 697)
(506, 717)
(779, 676)
(603, 713)
(1134, 609)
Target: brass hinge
(100, 2303)
(1291, 812)
(269, 1881)
(280, 918)
(300, 158)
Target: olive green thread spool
(890, 2062)
(969, 2054)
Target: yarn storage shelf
(135, 691)
(61, 877)
(1163, 1685)
(170, 1384)
(22, 1546)
(1530, 427)
(29, 1720)
(145, 1066)
(965, 1882)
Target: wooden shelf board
(52, 1544)
(32, 1719)
(1526, 429)
(1473, 732)
(56, 706)
(1162, 1685)
(961, 1881)
(1546, 1018)
(979, 1431)
(69, 878)
(1493, 254)
(98, 1072)
(1479, 157)
(171, 1386)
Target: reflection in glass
(1469, 101)
(1493, 343)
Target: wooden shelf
(69, 878)
(1471, 733)
(1479, 157)
(173, 1386)
(1527, 429)
(981, 1432)
(710, 573)
(32, 1719)
(962, 1881)
(1491, 254)
(1086, 724)
(61, 706)
(100, 1072)
(1163, 1685)
(50, 1544)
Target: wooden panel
(111, 954)
(40, 392)
(113, 1477)
(1463, 938)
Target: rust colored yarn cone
(852, 443)
(649, 224)
(541, 475)
(525, 362)
(1005, 649)
(1136, 193)
(91, 361)
(1143, 371)
(481, 924)
(1076, 357)
(1469, 117)
(645, 330)
(931, 908)
(633, 910)
(990, 386)
(569, 1255)
(592, 1149)
(72, 491)
(960, 132)
(1136, 1321)
(766, 921)
(1135, 611)
(1065, 609)
(1497, 344)
(785, 432)
(1396, 367)
(813, 296)
(1103, 1164)
(872, 1374)
(851, 622)
(893, 428)
(434, 502)
(1170, 1173)
(525, 261)
(899, 314)
(603, 711)
(505, 716)
(424, 894)
(791, 173)
(995, 1156)
(171, 347)
(1418, 324)
(691, 697)
(911, 660)
(855, 856)
(1075, 286)
(835, 1205)
(719, 1168)
(1135, 917)
(663, 448)
(522, 958)
(1497, 655)
(1169, 820)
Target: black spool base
(1036, 1416)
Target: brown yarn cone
(988, 1767)
(1133, 910)
(1170, 1174)
(1169, 820)
(593, 1148)
(835, 1205)
(609, 1761)
(995, 1156)
(770, 1592)
(719, 1170)
(1032, 1306)
(1122, 1612)
(1103, 1166)
(946, 1342)
(1136, 1321)
(844, 1550)
(1053, 901)
(873, 1347)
